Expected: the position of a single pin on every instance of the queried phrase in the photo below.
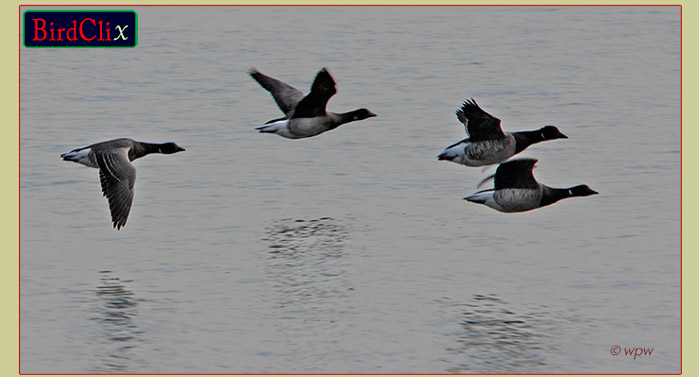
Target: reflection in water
(493, 338)
(116, 316)
(306, 267)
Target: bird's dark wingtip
(252, 71)
(469, 103)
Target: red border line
(19, 191)
(681, 165)
(353, 5)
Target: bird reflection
(116, 316)
(493, 338)
(306, 266)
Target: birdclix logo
(84, 28)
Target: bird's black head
(170, 148)
(582, 190)
(551, 132)
(362, 114)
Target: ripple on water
(495, 336)
(119, 334)
(306, 266)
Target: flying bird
(516, 190)
(305, 116)
(487, 143)
(117, 174)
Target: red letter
(74, 29)
(82, 35)
(37, 28)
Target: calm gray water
(353, 251)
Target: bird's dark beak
(562, 136)
(180, 149)
(371, 114)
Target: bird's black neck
(552, 195)
(141, 149)
(524, 139)
(343, 118)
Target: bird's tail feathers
(480, 197)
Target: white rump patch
(81, 157)
(280, 127)
(273, 127)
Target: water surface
(353, 251)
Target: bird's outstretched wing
(479, 125)
(516, 174)
(117, 177)
(286, 96)
(314, 103)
